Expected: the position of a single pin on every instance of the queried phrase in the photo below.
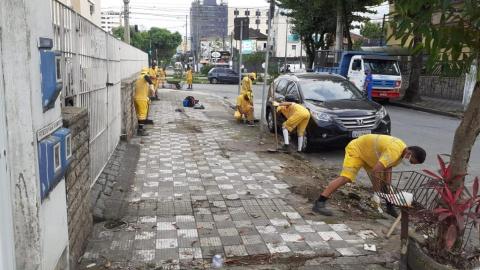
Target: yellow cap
(253, 75)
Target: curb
(428, 110)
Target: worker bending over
(297, 118)
(377, 154)
(244, 109)
(247, 84)
(141, 99)
(189, 77)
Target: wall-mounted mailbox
(54, 153)
(50, 69)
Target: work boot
(321, 208)
(284, 148)
(391, 210)
(250, 124)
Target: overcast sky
(170, 14)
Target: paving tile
(187, 233)
(251, 239)
(166, 243)
(210, 241)
(144, 255)
(327, 236)
(257, 249)
(235, 251)
(292, 237)
(340, 227)
(228, 232)
(166, 255)
(190, 253)
(278, 248)
(349, 251)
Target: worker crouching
(244, 109)
(297, 118)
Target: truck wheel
(214, 81)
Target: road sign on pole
(241, 25)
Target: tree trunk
(466, 134)
(412, 94)
(310, 50)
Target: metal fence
(93, 65)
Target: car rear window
(329, 90)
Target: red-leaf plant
(453, 208)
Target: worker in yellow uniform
(152, 72)
(141, 99)
(376, 154)
(189, 78)
(297, 118)
(247, 84)
(244, 109)
(161, 77)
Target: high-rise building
(208, 21)
(111, 19)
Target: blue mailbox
(49, 151)
(54, 154)
(50, 68)
(66, 146)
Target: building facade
(110, 19)
(208, 21)
(89, 9)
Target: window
(68, 146)
(264, 45)
(56, 157)
(59, 68)
(247, 12)
(294, 47)
(281, 87)
(322, 90)
(293, 90)
(258, 13)
(357, 64)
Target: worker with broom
(297, 118)
(377, 154)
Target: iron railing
(93, 65)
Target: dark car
(222, 75)
(339, 111)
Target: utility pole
(383, 30)
(126, 14)
(339, 32)
(267, 58)
(186, 35)
(286, 48)
(240, 59)
(301, 53)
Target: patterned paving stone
(235, 251)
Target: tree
(313, 24)
(371, 30)
(254, 61)
(160, 42)
(451, 38)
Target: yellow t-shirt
(373, 148)
(288, 111)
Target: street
(432, 132)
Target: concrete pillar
(22, 23)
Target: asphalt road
(432, 132)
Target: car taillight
(398, 83)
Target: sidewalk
(202, 188)
(445, 107)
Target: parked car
(339, 111)
(222, 75)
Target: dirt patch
(351, 201)
(186, 128)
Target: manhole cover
(115, 224)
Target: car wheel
(307, 146)
(214, 80)
(270, 124)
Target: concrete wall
(77, 181)
(129, 117)
(35, 245)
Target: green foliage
(371, 30)
(161, 42)
(450, 32)
(254, 60)
(205, 69)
